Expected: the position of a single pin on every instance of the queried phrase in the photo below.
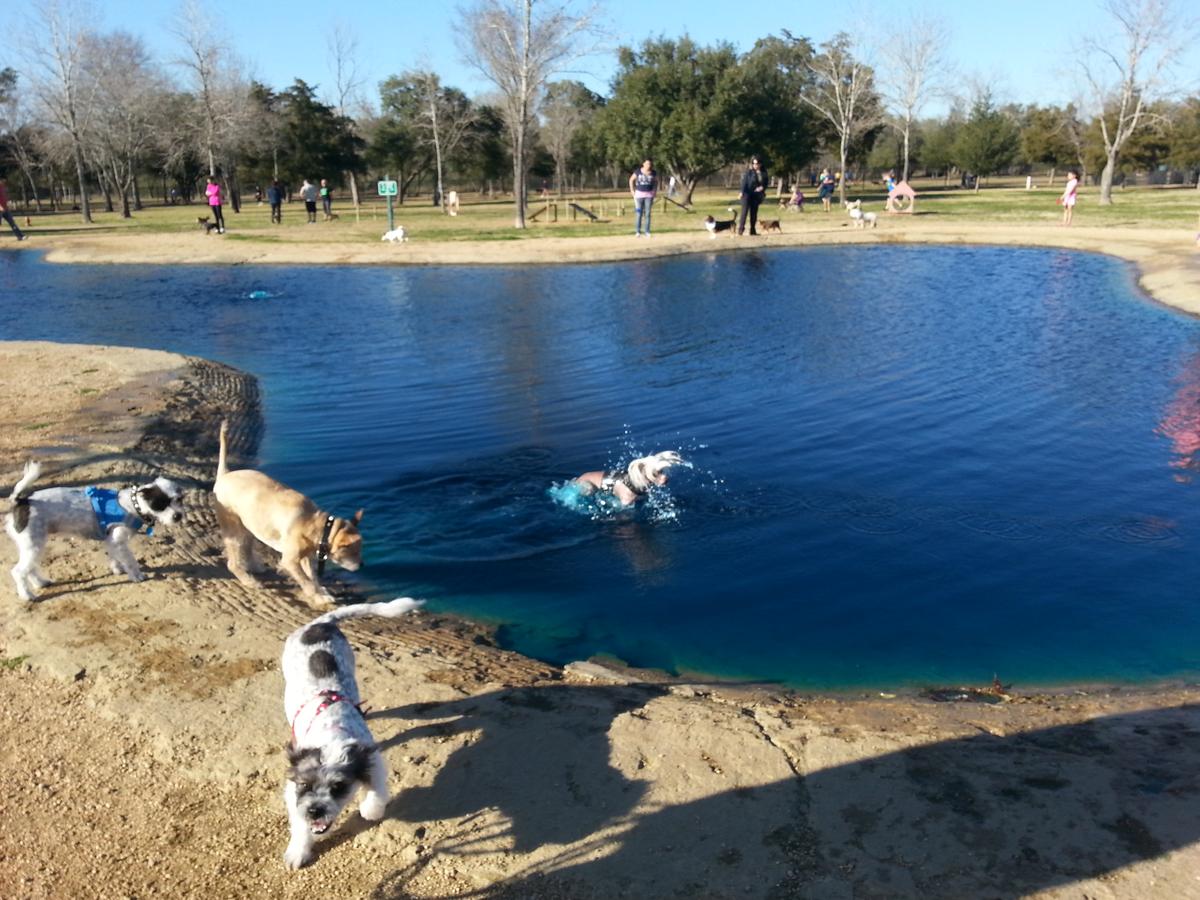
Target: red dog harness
(324, 700)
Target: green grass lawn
(1002, 200)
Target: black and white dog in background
(112, 516)
(715, 226)
(332, 753)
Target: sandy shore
(142, 728)
(1167, 259)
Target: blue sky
(1023, 51)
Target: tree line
(94, 111)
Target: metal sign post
(388, 188)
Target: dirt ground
(142, 728)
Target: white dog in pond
(395, 236)
(112, 516)
(631, 484)
(861, 219)
(332, 753)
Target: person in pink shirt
(213, 192)
(5, 212)
(1067, 200)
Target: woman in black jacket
(754, 189)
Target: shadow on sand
(982, 816)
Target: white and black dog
(99, 513)
(331, 752)
(717, 225)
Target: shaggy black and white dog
(332, 753)
(112, 516)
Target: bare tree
(843, 91)
(445, 119)
(56, 55)
(343, 51)
(21, 131)
(221, 95)
(1129, 69)
(202, 58)
(518, 52)
(127, 88)
(914, 67)
(566, 107)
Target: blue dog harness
(110, 513)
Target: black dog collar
(323, 547)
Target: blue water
(910, 465)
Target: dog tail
(30, 475)
(393, 609)
(221, 469)
(20, 495)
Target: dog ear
(156, 497)
(296, 756)
(357, 517)
(360, 758)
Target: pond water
(909, 465)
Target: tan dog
(770, 225)
(252, 506)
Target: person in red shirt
(5, 212)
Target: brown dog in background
(254, 507)
(770, 225)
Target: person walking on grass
(309, 194)
(275, 198)
(213, 193)
(754, 189)
(1067, 200)
(643, 184)
(5, 212)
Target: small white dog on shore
(112, 516)
(332, 753)
(861, 219)
(395, 236)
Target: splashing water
(658, 505)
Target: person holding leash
(754, 189)
(213, 192)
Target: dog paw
(298, 856)
(372, 808)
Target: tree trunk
(85, 206)
(519, 186)
(1106, 178)
(353, 188)
(907, 129)
(842, 182)
(37, 202)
